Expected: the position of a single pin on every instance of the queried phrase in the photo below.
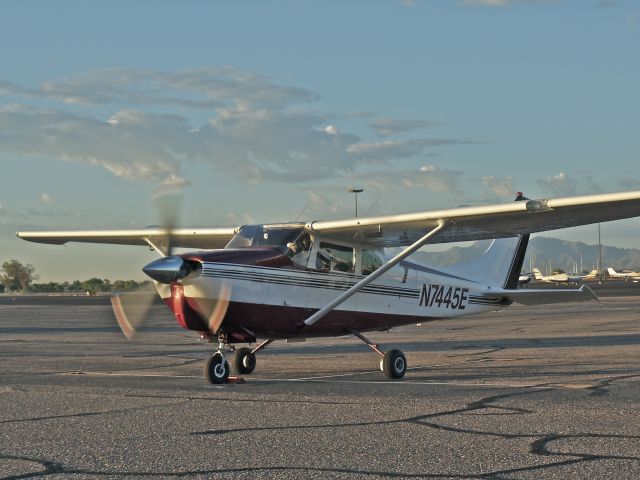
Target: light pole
(356, 191)
(600, 270)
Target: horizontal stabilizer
(540, 296)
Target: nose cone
(168, 269)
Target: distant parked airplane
(524, 279)
(557, 277)
(592, 275)
(626, 274)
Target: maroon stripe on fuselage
(279, 321)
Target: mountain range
(545, 253)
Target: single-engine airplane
(625, 274)
(557, 278)
(332, 278)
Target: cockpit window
(259, 235)
(336, 258)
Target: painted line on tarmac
(407, 382)
(336, 379)
(127, 374)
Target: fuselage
(270, 293)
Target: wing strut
(156, 247)
(373, 276)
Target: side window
(336, 258)
(300, 249)
(369, 262)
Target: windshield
(260, 235)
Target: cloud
(427, 177)
(132, 147)
(149, 123)
(386, 126)
(558, 185)
(398, 149)
(203, 88)
(564, 185)
(500, 186)
(46, 199)
(629, 183)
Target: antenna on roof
(301, 212)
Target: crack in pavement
(540, 443)
(538, 446)
(89, 414)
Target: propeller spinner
(170, 269)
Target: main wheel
(244, 360)
(217, 369)
(394, 364)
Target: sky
(268, 111)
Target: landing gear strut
(393, 363)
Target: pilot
(301, 245)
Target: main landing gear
(393, 363)
(216, 370)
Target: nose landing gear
(216, 370)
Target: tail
(612, 272)
(498, 266)
(537, 274)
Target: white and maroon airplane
(331, 278)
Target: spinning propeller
(131, 309)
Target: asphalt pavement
(521, 393)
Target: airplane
(626, 274)
(524, 279)
(254, 284)
(557, 277)
(592, 275)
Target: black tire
(216, 370)
(244, 361)
(394, 364)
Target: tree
(16, 276)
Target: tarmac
(520, 393)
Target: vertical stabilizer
(501, 263)
(498, 266)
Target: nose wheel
(216, 370)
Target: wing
(483, 222)
(204, 238)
